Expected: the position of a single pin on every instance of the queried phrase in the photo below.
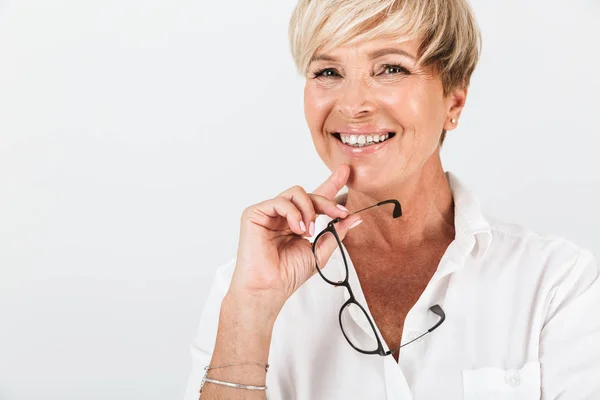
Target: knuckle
(281, 201)
(301, 195)
(299, 191)
(246, 213)
(284, 205)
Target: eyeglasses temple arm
(437, 310)
(396, 213)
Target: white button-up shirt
(522, 322)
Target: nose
(354, 101)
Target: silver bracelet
(205, 379)
(234, 385)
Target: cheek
(317, 106)
(409, 102)
(417, 108)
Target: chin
(375, 181)
(369, 184)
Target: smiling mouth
(365, 140)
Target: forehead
(369, 49)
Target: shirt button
(513, 379)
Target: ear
(455, 101)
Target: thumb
(334, 183)
(326, 244)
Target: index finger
(334, 183)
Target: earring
(453, 120)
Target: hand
(274, 259)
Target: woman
(481, 309)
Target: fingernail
(341, 207)
(302, 226)
(357, 223)
(311, 228)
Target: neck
(427, 211)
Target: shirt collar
(473, 232)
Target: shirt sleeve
(570, 338)
(204, 342)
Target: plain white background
(134, 132)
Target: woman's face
(371, 89)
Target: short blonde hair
(451, 40)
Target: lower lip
(360, 151)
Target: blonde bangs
(450, 38)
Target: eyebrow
(372, 55)
(390, 50)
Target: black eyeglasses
(358, 338)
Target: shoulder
(514, 234)
(550, 254)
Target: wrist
(249, 308)
(244, 333)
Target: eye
(392, 69)
(326, 73)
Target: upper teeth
(362, 139)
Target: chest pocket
(499, 384)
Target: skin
(394, 258)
